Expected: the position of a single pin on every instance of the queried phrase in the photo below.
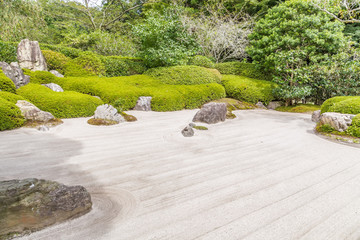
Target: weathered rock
(108, 112)
(56, 73)
(30, 56)
(43, 128)
(340, 122)
(143, 104)
(315, 117)
(97, 97)
(14, 72)
(54, 87)
(260, 105)
(192, 125)
(30, 205)
(31, 112)
(275, 104)
(188, 131)
(211, 113)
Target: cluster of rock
(30, 205)
(108, 112)
(340, 122)
(15, 73)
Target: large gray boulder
(30, 205)
(14, 72)
(340, 122)
(260, 105)
(108, 112)
(211, 113)
(29, 56)
(274, 104)
(143, 104)
(315, 117)
(32, 113)
(54, 87)
(56, 73)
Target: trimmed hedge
(184, 75)
(11, 97)
(242, 69)
(343, 104)
(67, 51)
(125, 91)
(41, 77)
(201, 61)
(55, 60)
(7, 52)
(6, 84)
(354, 129)
(60, 104)
(122, 66)
(248, 89)
(10, 115)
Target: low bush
(347, 105)
(41, 77)
(10, 115)
(299, 108)
(7, 52)
(201, 61)
(354, 129)
(60, 104)
(6, 84)
(67, 51)
(123, 92)
(122, 66)
(248, 89)
(242, 69)
(71, 69)
(55, 60)
(11, 97)
(184, 75)
(90, 62)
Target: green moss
(55, 60)
(299, 108)
(184, 75)
(242, 69)
(67, 51)
(233, 104)
(201, 128)
(90, 62)
(128, 117)
(325, 128)
(6, 84)
(61, 104)
(101, 122)
(201, 61)
(346, 105)
(10, 115)
(11, 97)
(248, 89)
(123, 92)
(354, 129)
(41, 77)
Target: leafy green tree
(164, 40)
(291, 38)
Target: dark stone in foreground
(30, 205)
(188, 131)
(211, 113)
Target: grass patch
(201, 128)
(128, 117)
(299, 108)
(101, 122)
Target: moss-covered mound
(125, 91)
(11, 97)
(10, 115)
(60, 104)
(201, 61)
(242, 69)
(116, 66)
(184, 75)
(354, 129)
(6, 84)
(41, 77)
(299, 108)
(248, 89)
(55, 60)
(347, 105)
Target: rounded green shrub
(10, 115)
(122, 66)
(90, 62)
(55, 60)
(354, 129)
(248, 89)
(7, 52)
(242, 69)
(343, 104)
(184, 75)
(6, 84)
(71, 69)
(67, 51)
(66, 104)
(41, 77)
(11, 97)
(201, 61)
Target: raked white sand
(263, 175)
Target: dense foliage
(10, 115)
(7, 52)
(66, 104)
(241, 68)
(344, 104)
(354, 129)
(55, 60)
(122, 66)
(248, 89)
(6, 84)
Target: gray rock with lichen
(188, 131)
(315, 117)
(29, 56)
(211, 113)
(55, 87)
(15, 73)
(30, 205)
(33, 113)
(143, 104)
(56, 73)
(108, 112)
(340, 122)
